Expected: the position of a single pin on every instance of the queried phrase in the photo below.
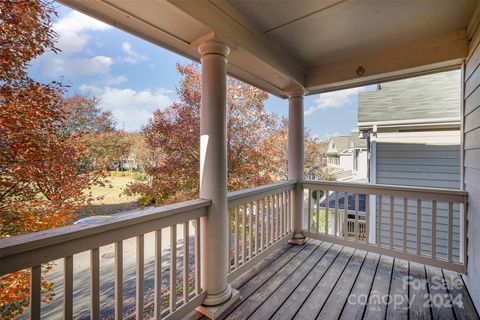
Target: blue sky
(132, 77)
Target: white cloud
(335, 99)
(130, 108)
(116, 80)
(132, 56)
(88, 89)
(65, 66)
(72, 31)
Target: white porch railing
(260, 222)
(259, 218)
(425, 225)
(419, 224)
(30, 251)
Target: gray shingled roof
(426, 97)
(341, 143)
(357, 142)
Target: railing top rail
(383, 189)
(24, 243)
(252, 194)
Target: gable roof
(429, 99)
(340, 143)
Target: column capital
(296, 92)
(213, 47)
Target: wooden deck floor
(322, 280)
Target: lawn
(113, 200)
(113, 195)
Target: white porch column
(213, 173)
(296, 159)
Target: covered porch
(280, 251)
(322, 280)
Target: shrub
(119, 173)
(139, 176)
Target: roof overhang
(318, 45)
(417, 124)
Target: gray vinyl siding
(420, 165)
(471, 113)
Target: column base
(219, 298)
(298, 239)
(214, 312)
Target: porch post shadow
(296, 159)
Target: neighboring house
(347, 161)
(347, 158)
(339, 158)
(359, 149)
(413, 129)
(130, 163)
(336, 146)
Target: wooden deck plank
(418, 292)
(462, 304)
(338, 297)
(377, 306)
(441, 309)
(266, 266)
(301, 293)
(398, 306)
(267, 262)
(318, 279)
(275, 301)
(361, 289)
(319, 295)
(261, 278)
(249, 305)
(248, 284)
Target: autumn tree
(276, 145)
(174, 135)
(25, 33)
(105, 146)
(139, 152)
(107, 150)
(84, 115)
(43, 177)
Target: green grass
(321, 223)
(113, 201)
(113, 195)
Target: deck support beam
(296, 159)
(213, 176)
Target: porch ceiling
(321, 32)
(316, 44)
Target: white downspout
(372, 222)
